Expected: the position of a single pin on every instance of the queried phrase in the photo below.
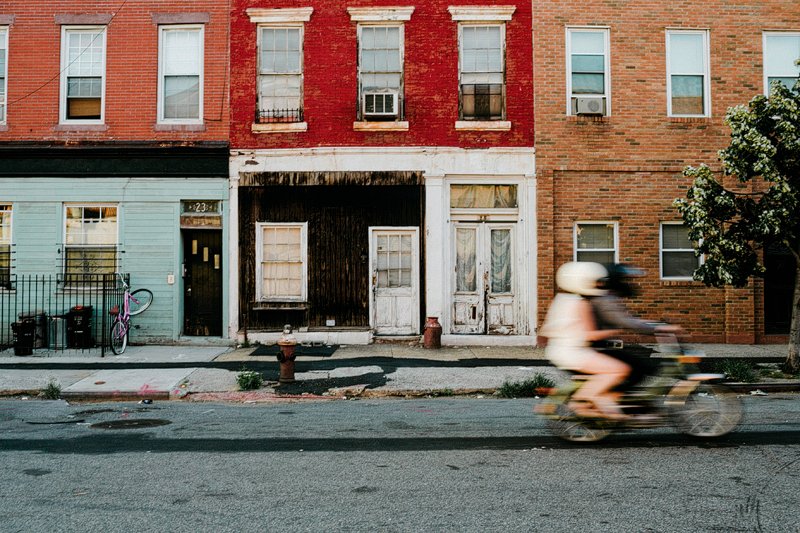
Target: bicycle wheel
(119, 337)
(710, 411)
(140, 300)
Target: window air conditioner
(379, 104)
(590, 105)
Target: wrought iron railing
(273, 116)
(64, 316)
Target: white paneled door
(394, 298)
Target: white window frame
(303, 257)
(201, 74)
(765, 36)
(615, 226)
(662, 251)
(301, 74)
(503, 53)
(65, 30)
(4, 76)
(570, 30)
(10, 242)
(116, 245)
(401, 89)
(706, 72)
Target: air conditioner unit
(595, 105)
(381, 104)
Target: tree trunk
(793, 359)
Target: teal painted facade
(149, 234)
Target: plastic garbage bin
(79, 327)
(24, 334)
(40, 332)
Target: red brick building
(113, 128)
(627, 94)
(382, 168)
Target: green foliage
(249, 380)
(737, 370)
(52, 391)
(527, 388)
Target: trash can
(40, 332)
(79, 327)
(24, 333)
(58, 332)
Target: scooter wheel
(565, 424)
(709, 411)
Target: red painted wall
(131, 70)
(431, 78)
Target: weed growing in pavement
(528, 388)
(737, 370)
(776, 372)
(444, 392)
(249, 380)
(52, 391)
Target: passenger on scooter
(571, 329)
(611, 313)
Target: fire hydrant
(286, 356)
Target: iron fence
(64, 312)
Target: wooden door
(394, 301)
(202, 282)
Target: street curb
(115, 396)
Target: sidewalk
(208, 373)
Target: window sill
(81, 127)
(3, 127)
(483, 125)
(279, 127)
(588, 119)
(689, 120)
(179, 127)
(679, 282)
(279, 306)
(366, 125)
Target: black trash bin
(24, 336)
(40, 332)
(79, 327)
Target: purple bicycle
(133, 303)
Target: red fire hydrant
(286, 356)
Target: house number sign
(201, 207)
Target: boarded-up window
(282, 263)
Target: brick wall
(627, 167)
(431, 78)
(34, 62)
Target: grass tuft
(737, 370)
(249, 380)
(528, 388)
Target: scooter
(677, 395)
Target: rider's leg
(606, 373)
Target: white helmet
(581, 278)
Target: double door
(484, 278)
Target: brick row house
(114, 157)
(382, 169)
(627, 94)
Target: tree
(731, 226)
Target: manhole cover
(131, 423)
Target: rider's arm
(586, 316)
(614, 313)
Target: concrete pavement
(209, 372)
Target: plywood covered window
(282, 261)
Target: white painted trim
(706, 71)
(481, 13)
(595, 223)
(483, 125)
(607, 65)
(232, 221)
(380, 14)
(279, 16)
(661, 251)
(200, 74)
(765, 74)
(364, 125)
(279, 127)
(415, 271)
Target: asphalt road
(384, 465)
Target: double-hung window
(90, 242)
(280, 94)
(180, 81)
(678, 259)
(688, 73)
(3, 72)
(281, 261)
(482, 72)
(588, 71)
(380, 71)
(83, 72)
(5, 244)
(596, 242)
(781, 56)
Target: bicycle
(133, 303)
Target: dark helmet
(619, 280)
